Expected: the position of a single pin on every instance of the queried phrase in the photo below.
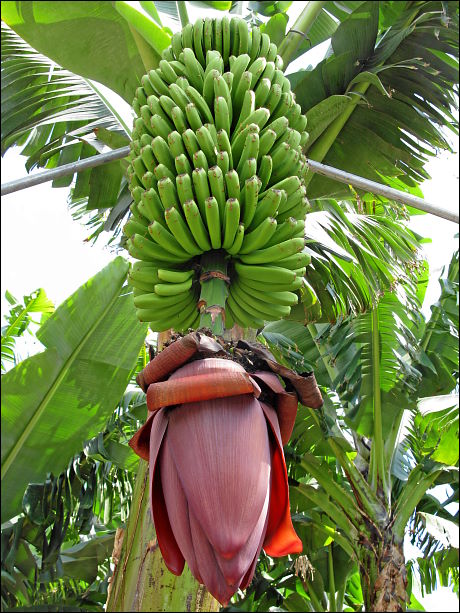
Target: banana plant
(215, 192)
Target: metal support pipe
(328, 171)
(382, 190)
(64, 170)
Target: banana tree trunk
(383, 575)
(141, 581)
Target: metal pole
(64, 170)
(382, 190)
(328, 171)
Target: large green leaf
(55, 400)
(387, 130)
(90, 39)
(18, 320)
(355, 257)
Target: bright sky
(43, 247)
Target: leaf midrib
(9, 459)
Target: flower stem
(214, 291)
(182, 9)
(303, 24)
(319, 149)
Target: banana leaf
(55, 400)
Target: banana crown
(216, 163)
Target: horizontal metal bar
(382, 190)
(64, 170)
(328, 171)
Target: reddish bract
(218, 479)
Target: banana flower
(214, 442)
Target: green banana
(275, 253)
(150, 206)
(239, 236)
(140, 285)
(213, 222)
(296, 261)
(255, 43)
(168, 193)
(190, 142)
(217, 186)
(231, 222)
(161, 172)
(132, 226)
(265, 170)
(166, 240)
(234, 37)
(286, 298)
(181, 232)
(239, 142)
(256, 69)
(272, 52)
(221, 114)
(218, 35)
(148, 157)
(172, 289)
(152, 251)
(198, 41)
(162, 153)
(194, 70)
(288, 229)
(187, 36)
(239, 92)
(224, 145)
(249, 169)
(226, 45)
(193, 116)
(200, 104)
(244, 41)
(174, 276)
(175, 144)
(145, 275)
(166, 313)
(196, 225)
(221, 90)
(251, 191)
(176, 44)
(179, 119)
(200, 160)
(250, 150)
(154, 301)
(208, 87)
(149, 180)
(206, 144)
(160, 88)
(265, 274)
(263, 286)
(262, 91)
(207, 34)
(247, 108)
(241, 316)
(141, 97)
(182, 165)
(259, 236)
(223, 161)
(184, 188)
(256, 307)
(167, 70)
(232, 183)
(239, 66)
(201, 188)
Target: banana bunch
(216, 163)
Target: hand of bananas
(216, 163)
